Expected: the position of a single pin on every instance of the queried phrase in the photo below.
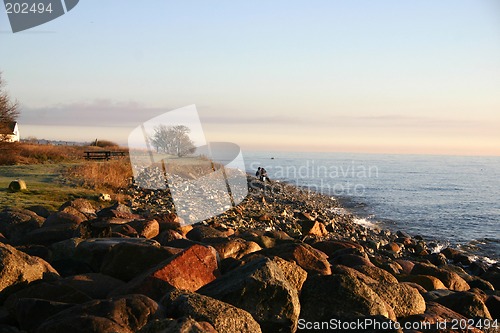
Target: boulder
(31, 312)
(340, 296)
(331, 246)
(493, 305)
(224, 317)
(261, 288)
(18, 269)
(92, 251)
(307, 257)
(235, 248)
(467, 304)
(64, 249)
(83, 206)
(62, 217)
(406, 265)
(313, 228)
(376, 273)
(15, 223)
(47, 235)
(450, 279)
(405, 300)
(17, 185)
(125, 314)
(428, 282)
(201, 233)
(188, 270)
(146, 228)
(351, 260)
(95, 285)
(127, 260)
(118, 210)
(436, 314)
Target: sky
(384, 76)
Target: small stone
(18, 185)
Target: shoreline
(282, 258)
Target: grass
(46, 186)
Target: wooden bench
(103, 154)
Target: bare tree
(9, 111)
(172, 140)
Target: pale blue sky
(369, 76)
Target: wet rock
(339, 296)
(467, 304)
(188, 270)
(224, 317)
(451, 280)
(125, 261)
(123, 314)
(18, 269)
(235, 248)
(261, 288)
(450, 253)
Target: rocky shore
(284, 260)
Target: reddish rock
(58, 218)
(376, 273)
(16, 223)
(394, 247)
(168, 236)
(188, 270)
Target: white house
(9, 132)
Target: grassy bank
(46, 186)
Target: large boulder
(15, 223)
(188, 270)
(52, 233)
(180, 325)
(18, 269)
(58, 218)
(467, 304)
(125, 314)
(31, 312)
(261, 288)
(307, 257)
(428, 282)
(94, 285)
(342, 296)
(235, 248)
(127, 260)
(224, 317)
(450, 279)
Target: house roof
(7, 127)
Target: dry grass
(109, 175)
(29, 153)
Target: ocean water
(448, 200)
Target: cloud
(101, 113)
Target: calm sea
(449, 200)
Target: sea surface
(448, 200)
